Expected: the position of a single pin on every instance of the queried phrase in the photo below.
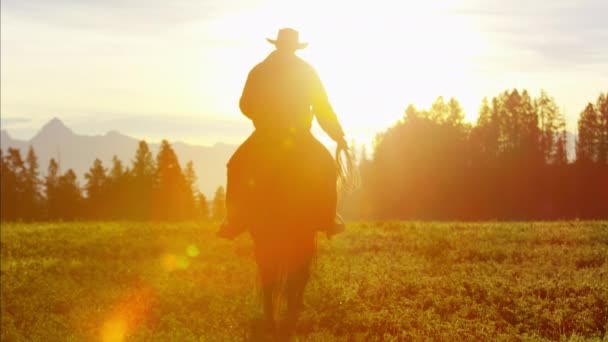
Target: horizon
(176, 71)
(60, 121)
(570, 143)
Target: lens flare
(114, 330)
(128, 314)
(192, 251)
(287, 144)
(169, 262)
(182, 262)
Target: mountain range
(56, 140)
(71, 150)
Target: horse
(284, 189)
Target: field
(376, 281)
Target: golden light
(192, 251)
(128, 314)
(114, 330)
(182, 262)
(169, 262)
(374, 58)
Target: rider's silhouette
(281, 96)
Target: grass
(385, 281)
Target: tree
(32, 195)
(552, 127)
(191, 188)
(16, 181)
(439, 111)
(519, 136)
(561, 154)
(51, 183)
(486, 152)
(69, 196)
(96, 189)
(506, 156)
(455, 113)
(141, 188)
(203, 206)
(117, 190)
(7, 188)
(118, 171)
(418, 164)
(219, 204)
(588, 136)
(602, 122)
(591, 160)
(143, 164)
(485, 135)
(432, 165)
(171, 200)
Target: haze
(156, 69)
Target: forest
(148, 189)
(512, 164)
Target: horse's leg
(269, 278)
(296, 283)
(268, 292)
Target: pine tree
(602, 113)
(69, 196)
(7, 188)
(590, 159)
(118, 170)
(455, 115)
(561, 154)
(117, 194)
(530, 133)
(172, 190)
(51, 184)
(551, 123)
(203, 206)
(143, 164)
(96, 189)
(16, 185)
(219, 204)
(439, 111)
(588, 136)
(143, 178)
(32, 186)
(191, 188)
(484, 138)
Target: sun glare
(128, 314)
(114, 330)
(374, 59)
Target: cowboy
(281, 96)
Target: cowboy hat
(288, 37)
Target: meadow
(384, 281)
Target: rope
(349, 178)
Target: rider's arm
(326, 117)
(248, 102)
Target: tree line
(511, 164)
(149, 189)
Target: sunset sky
(175, 69)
